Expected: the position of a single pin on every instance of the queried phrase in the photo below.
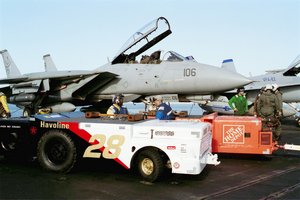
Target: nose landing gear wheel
(27, 112)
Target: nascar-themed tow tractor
(151, 146)
(185, 145)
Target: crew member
(268, 108)
(278, 95)
(163, 111)
(117, 108)
(256, 100)
(279, 114)
(238, 102)
(4, 110)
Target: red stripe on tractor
(74, 127)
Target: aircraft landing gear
(27, 112)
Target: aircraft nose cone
(226, 80)
(239, 79)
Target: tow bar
(292, 147)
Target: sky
(258, 35)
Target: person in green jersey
(238, 103)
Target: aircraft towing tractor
(184, 146)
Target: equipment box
(237, 134)
(241, 134)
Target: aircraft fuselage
(289, 86)
(170, 77)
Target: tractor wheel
(150, 165)
(56, 151)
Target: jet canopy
(172, 56)
(143, 39)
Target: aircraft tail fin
(294, 68)
(49, 64)
(10, 66)
(228, 65)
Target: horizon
(257, 35)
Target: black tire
(150, 165)
(56, 151)
(9, 145)
(9, 141)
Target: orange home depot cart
(240, 134)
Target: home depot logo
(233, 134)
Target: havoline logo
(54, 125)
(234, 134)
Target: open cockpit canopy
(143, 39)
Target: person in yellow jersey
(4, 110)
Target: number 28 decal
(112, 149)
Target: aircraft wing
(64, 77)
(13, 80)
(54, 76)
(93, 85)
(94, 81)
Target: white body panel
(187, 144)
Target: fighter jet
(287, 80)
(221, 106)
(130, 73)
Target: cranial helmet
(157, 97)
(117, 98)
(275, 87)
(268, 87)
